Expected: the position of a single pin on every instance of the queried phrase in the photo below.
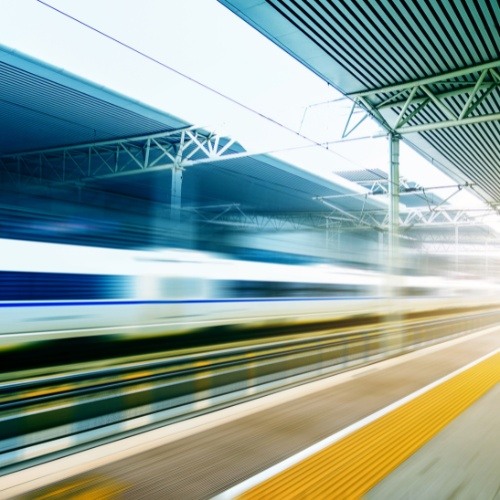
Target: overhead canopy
(64, 130)
(43, 107)
(429, 71)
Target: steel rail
(135, 399)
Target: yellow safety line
(136, 375)
(87, 488)
(47, 391)
(355, 464)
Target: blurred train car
(53, 291)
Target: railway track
(47, 412)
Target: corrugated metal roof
(379, 42)
(363, 176)
(41, 108)
(371, 44)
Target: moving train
(54, 291)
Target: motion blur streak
(115, 341)
(53, 291)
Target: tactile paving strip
(353, 465)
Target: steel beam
(447, 124)
(180, 148)
(410, 100)
(430, 80)
(176, 193)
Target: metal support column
(393, 202)
(394, 337)
(380, 261)
(176, 194)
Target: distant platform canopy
(65, 137)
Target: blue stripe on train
(190, 301)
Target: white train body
(50, 291)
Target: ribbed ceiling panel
(41, 113)
(475, 150)
(383, 42)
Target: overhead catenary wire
(314, 143)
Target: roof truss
(447, 100)
(180, 148)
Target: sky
(212, 70)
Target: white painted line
(325, 443)
(21, 482)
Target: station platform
(420, 425)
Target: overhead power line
(313, 142)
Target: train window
(277, 289)
(16, 285)
(185, 288)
